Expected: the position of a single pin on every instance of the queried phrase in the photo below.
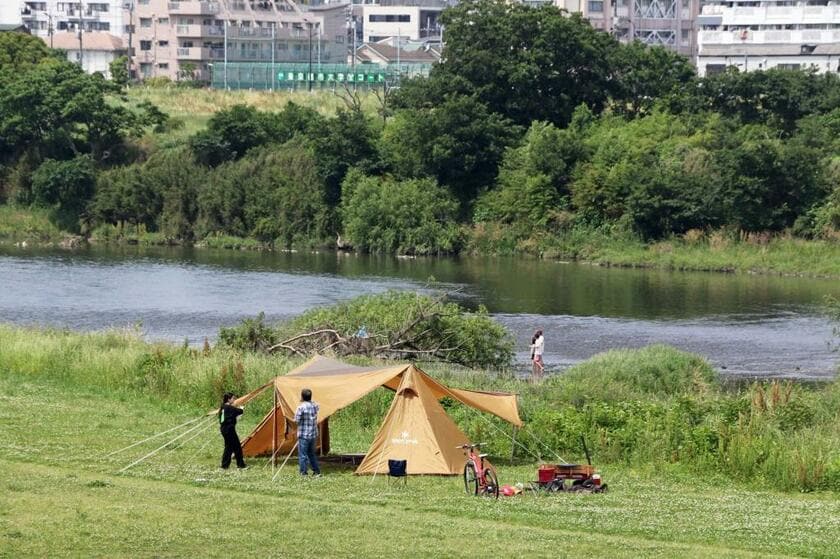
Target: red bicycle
(478, 478)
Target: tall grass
(25, 224)
(194, 107)
(718, 251)
(652, 408)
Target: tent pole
(513, 446)
(158, 449)
(274, 432)
(155, 436)
(284, 461)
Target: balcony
(193, 53)
(772, 15)
(199, 31)
(769, 36)
(194, 8)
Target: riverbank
(715, 252)
(654, 410)
(62, 493)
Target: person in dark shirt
(227, 425)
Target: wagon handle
(585, 450)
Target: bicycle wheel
(492, 487)
(470, 479)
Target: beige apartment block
(176, 38)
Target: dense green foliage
(414, 216)
(535, 133)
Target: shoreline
(74, 242)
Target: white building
(412, 19)
(758, 35)
(43, 17)
(96, 51)
(9, 13)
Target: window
(685, 36)
(163, 43)
(145, 22)
(145, 45)
(712, 69)
(788, 66)
(163, 66)
(143, 2)
(163, 20)
(596, 6)
(390, 18)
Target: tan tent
(416, 427)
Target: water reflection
(749, 324)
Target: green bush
(404, 217)
(420, 323)
(65, 187)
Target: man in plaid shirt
(306, 418)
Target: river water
(746, 325)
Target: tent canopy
(426, 435)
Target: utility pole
(319, 46)
(226, 54)
(273, 50)
(130, 35)
(353, 59)
(309, 76)
(81, 28)
(50, 31)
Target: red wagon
(570, 477)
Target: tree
(413, 216)
(65, 187)
(275, 194)
(778, 98)
(533, 178)
(19, 50)
(525, 63)
(644, 74)
(458, 143)
(119, 71)
(57, 111)
(229, 135)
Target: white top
(538, 346)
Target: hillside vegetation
(575, 146)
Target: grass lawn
(195, 106)
(63, 497)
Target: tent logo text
(404, 439)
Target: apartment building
(171, 38)
(758, 35)
(46, 17)
(667, 23)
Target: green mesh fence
(255, 75)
